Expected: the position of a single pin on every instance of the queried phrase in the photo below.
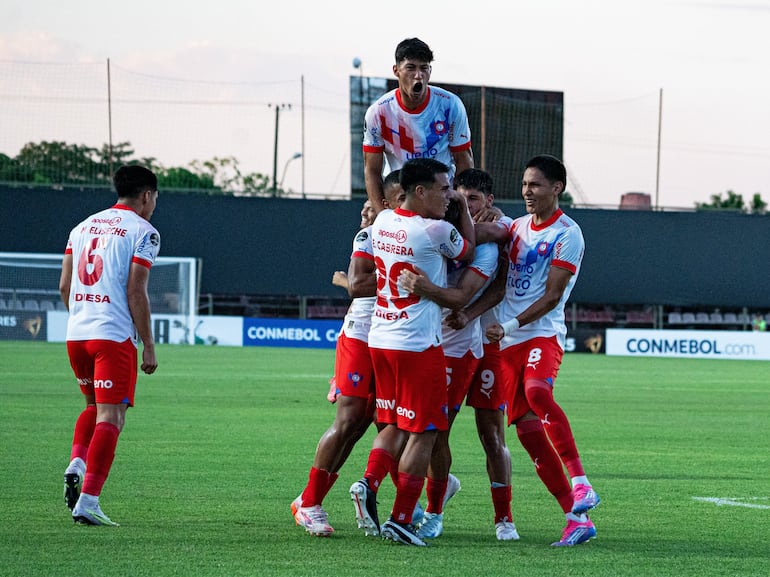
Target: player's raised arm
(373, 165)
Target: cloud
(40, 46)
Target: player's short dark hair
(551, 167)
(420, 171)
(131, 181)
(474, 179)
(413, 49)
(391, 178)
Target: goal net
(30, 282)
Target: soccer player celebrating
(405, 343)
(486, 393)
(545, 250)
(465, 354)
(415, 120)
(353, 382)
(103, 283)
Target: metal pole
(303, 136)
(483, 128)
(109, 118)
(275, 153)
(657, 169)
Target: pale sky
(610, 59)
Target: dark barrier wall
(284, 246)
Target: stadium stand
(326, 311)
(730, 319)
(674, 318)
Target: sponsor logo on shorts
(404, 412)
(388, 404)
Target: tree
(758, 206)
(734, 202)
(59, 163)
(179, 177)
(10, 171)
(226, 173)
(112, 157)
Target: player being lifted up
(414, 120)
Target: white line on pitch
(720, 501)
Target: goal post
(30, 282)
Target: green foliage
(11, 170)
(734, 202)
(60, 163)
(757, 206)
(221, 440)
(178, 177)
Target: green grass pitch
(221, 441)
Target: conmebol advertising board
(753, 346)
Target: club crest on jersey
(542, 248)
(440, 127)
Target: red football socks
(84, 431)
(377, 468)
(547, 463)
(317, 484)
(407, 495)
(101, 453)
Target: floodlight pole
(294, 156)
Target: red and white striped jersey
(532, 251)
(435, 130)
